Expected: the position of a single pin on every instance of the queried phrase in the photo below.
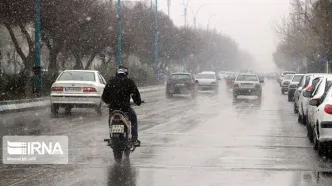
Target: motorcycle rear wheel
(117, 155)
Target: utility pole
(169, 7)
(156, 37)
(37, 68)
(119, 52)
(207, 29)
(185, 12)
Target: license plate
(180, 84)
(117, 129)
(72, 89)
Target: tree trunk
(78, 61)
(88, 65)
(53, 58)
(15, 42)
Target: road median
(36, 103)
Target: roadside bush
(20, 86)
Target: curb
(38, 103)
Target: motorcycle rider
(117, 95)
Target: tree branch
(93, 55)
(28, 37)
(15, 42)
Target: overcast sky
(249, 22)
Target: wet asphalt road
(209, 141)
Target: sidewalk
(28, 104)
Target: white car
(321, 87)
(305, 96)
(247, 84)
(222, 74)
(283, 74)
(322, 128)
(207, 81)
(77, 88)
(302, 85)
(293, 86)
(286, 82)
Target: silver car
(247, 84)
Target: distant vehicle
(180, 83)
(283, 74)
(261, 78)
(322, 130)
(207, 81)
(321, 87)
(230, 80)
(77, 88)
(293, 86)
(247, 84)
(223, 74)
(286, 82)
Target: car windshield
(77, 76)
(246, 78)
(289, 76)
(205, 76)
(297, 78)
(180, 76)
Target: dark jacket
(118, 91)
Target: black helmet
(122, 70)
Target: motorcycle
(120, 135)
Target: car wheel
(304, 120)
(299, 118)
(309, 132)
(295, 109)
(54, 108)
(68, 109)
(193, 94)
(282, 91)
(99, 109)
(315, 141)
(259, 95)
(321, 149)
(168, 95)
(290, 98)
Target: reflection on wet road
(211, 140)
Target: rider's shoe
(136, 142)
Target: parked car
(283, 74)
(247, 84)
(77, 88)
(305, 96)
(207, 81)
(322, 127)
(286, 82)
(293, 86)
(321, 87)
(180, 83)
(302, 85)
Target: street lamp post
(156, 37)
(119, 52)
(207, 29)
(195, 14)
(37, 68)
